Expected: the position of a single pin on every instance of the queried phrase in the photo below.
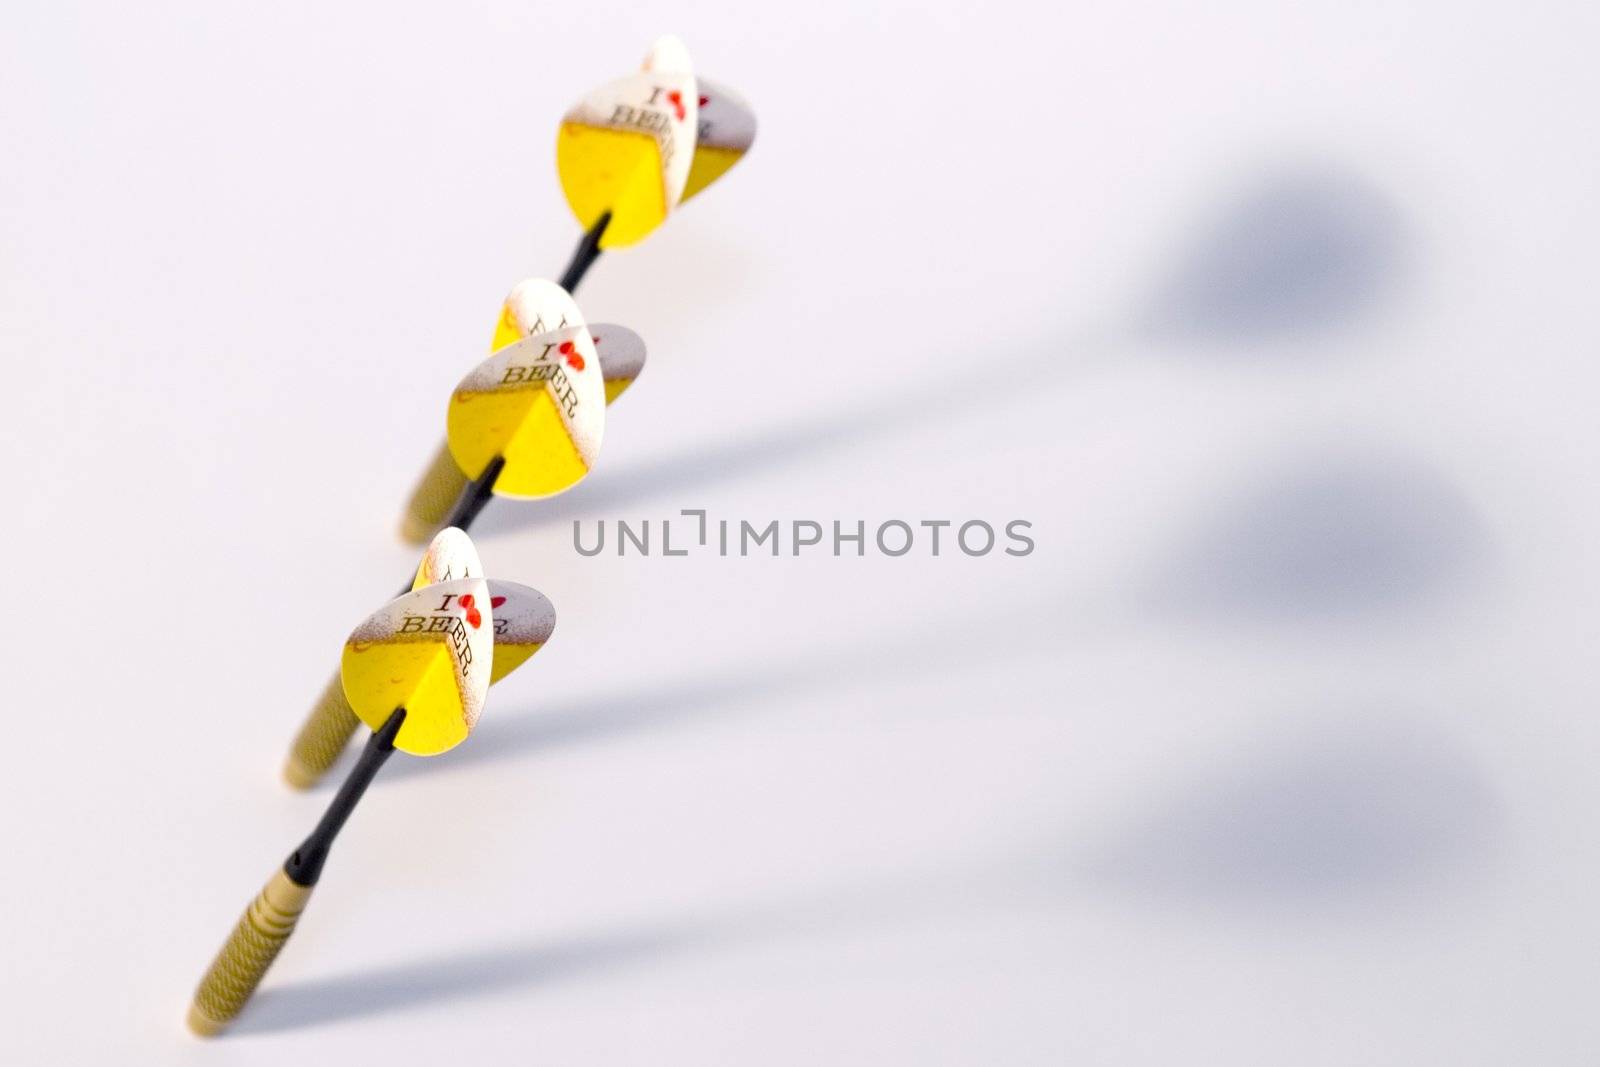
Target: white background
(1276, 321)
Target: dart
(627, 154)
(417, 673)
(521, 627)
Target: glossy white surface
(1276, 321)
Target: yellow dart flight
(429, 652)
(524, 618)
(634, 149)
(727, 130)
(450, 555)
(538, 405)
(535, 306)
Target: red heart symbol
(574, 360)
(676, 99)
(496, 601)
(704, 100)
(474, 616)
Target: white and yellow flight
(627, 154)
(406, 657)
(536, 419)
(636, 148)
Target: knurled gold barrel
(432, 499)
(321, 738)
(244, 959)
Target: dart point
(298, 774)
(203, 1025)
(414, 531)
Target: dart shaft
(478, 493)
(585, 254)
(305, 865)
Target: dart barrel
(436, 493)
(244, 959)
(322, 737)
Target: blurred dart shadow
(1335, 537)
(507, 736)
(909, 896)
(447, 978)
(1303, 829)
(666, 704)
(854, 429)
(1336, 534)
(1344, 817)
(459, 976)
(1299, 252)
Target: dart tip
(202, 1024)
(298, 774)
